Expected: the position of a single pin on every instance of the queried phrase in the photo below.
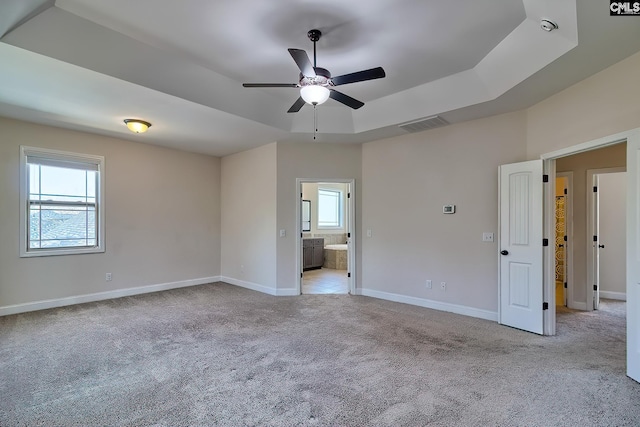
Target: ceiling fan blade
(269, 85)
(296, 105)
(302, 60)
(359, 76)
(345, 99)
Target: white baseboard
(249, 285)
(435, 305)
(286, 292)
(100, 296)
(578, 305)
(621, 296)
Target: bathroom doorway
(326, 243)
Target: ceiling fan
(316, 84)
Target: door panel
(633, 255)
(521, 246)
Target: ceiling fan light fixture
(314, 94)
(137, 126)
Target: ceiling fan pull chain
(315, 122)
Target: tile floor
(325, 281)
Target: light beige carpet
(222, 355)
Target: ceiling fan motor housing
(322, 78)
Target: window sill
(57, 252)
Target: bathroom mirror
(306, 215)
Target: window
(329, 208)
(61, 203)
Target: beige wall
(317, 161)
(249, 218)
(162, 218)
(407, 180)
(609, 157)
(601, 105)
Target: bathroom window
(61, 203)
(329, 208)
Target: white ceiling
(89, 64)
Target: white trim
(579, 306)
(101, 296)
(549, 252)
(99, 161)
(620, 296)
(435, 305)
(588, 146)
(249, 285)
(549, 164)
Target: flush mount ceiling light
(137, 126)
(548, 25)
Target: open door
(594, 224)
(521, 269)
(633, 255)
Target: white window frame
(340, 198)
(59, 156)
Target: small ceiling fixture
(137, 126)
(548, 25)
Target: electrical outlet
(369, 233)
(283, 232)
(108, 277)
(443, 286)
(428, 284)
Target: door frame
(549, 222)
(568, 247)
(593, 264)
(351, 228)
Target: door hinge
(300, 234)
(348, 274)
(348, 195)
(565, 238)
(565, 191)
(545, 178)
(349, 235)
(545, 306)
(565, 285)
(301, 195)
(595, 287)
(301, 275)
(595, 238)
(595, 189)
(545, 242)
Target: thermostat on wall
(449, 209)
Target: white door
(595, 244)
(521, 215)
(633, 256)
(612, 194)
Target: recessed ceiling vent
(424, 124)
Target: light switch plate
(487, 237)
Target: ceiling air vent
(424, 124)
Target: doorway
(326, 245)
(607, 208)
(563, 232)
